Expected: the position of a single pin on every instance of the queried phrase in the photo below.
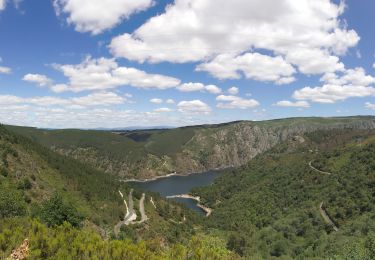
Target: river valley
(176, 185)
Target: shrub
(25, 184)
(4, 172)
(11, 203)
(55, 212)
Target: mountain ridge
(146, 154)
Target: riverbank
(154, 178)
(196, 198)
(176, 174)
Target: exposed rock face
(237, 144)
(210, 148)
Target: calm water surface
(175, 185)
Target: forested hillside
(307, 198)
(148, 153)
(67, 209)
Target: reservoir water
(175, 185)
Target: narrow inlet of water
(175, 185)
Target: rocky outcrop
(210, 148)
(237, 144)
(20, 253)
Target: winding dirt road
(130, 213)
(126, 204)
(322, 211)
(315, 169)
(142, 210)
(326, 217)
(152, 202)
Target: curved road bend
(315, 169)
(322, 211)
(152, 202)
(130, 214)
(326, 218)
(142, 209)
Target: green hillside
(307, 193)
(271, 206)
(68, 209)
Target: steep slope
(40, 188)
(38, 173)
(149, 153)
(278, 206)
(281, 204)
(67, 242)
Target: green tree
(25, 184)
(55, 212)
(11, 203)
(237, 243)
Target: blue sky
(119, 63)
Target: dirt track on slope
(315, 169)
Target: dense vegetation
(67, 242)
(271, 206)
(66, 209)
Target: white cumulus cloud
(104, 73)
(227, 36)
(233, 90)
(96, 16)
(253, 65)
(332, 93)
(40, 80)
(355, 76)
(190, 87)
(156, 100)
(93, 99)
(350, 83)
(163, 110)
(370, 105)
(2, 4)
(235, 102)
(193, 107)
(287, 103)
(99, 98)
(5, 70)
(213, 89)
